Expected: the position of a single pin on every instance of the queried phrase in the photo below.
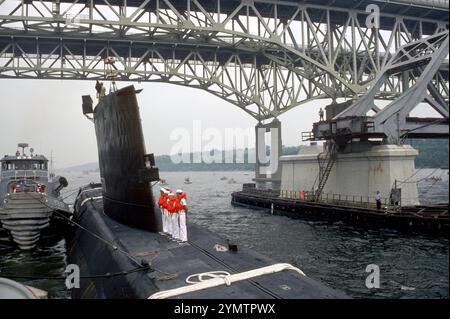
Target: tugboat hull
(28, 199)
(24, 216)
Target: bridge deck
(434, 10)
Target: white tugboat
(29, 199)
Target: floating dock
(433, 219)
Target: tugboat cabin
(24, 171)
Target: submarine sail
(121, 150)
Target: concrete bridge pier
(268, 167)
(360, 170)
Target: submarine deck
(172, 262)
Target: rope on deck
(219, 278)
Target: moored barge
(427, 219)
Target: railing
(266, 192)
(325, 198)
(21, 174)
(336, 199)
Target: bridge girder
(266, 57)
(424, 56)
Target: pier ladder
(325, 166)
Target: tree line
(433, 153)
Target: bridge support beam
(267, 168)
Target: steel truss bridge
(264, 56)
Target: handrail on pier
(327, 198)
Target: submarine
(117, 245)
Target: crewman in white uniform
(172, 219)
(182, 211)
(175, 218)
(162, 203)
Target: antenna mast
(51, 167)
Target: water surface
(412, 266)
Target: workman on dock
(321, 115)
(162, 203)
(182, 217)
(378, 200)
(302, 194)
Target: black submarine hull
(96, 257)
(170, 263)
(118, 251)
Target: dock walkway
(430, 219)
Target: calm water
(335, 253)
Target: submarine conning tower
(126, 170)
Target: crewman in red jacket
(182, 211)
(174, 217)
(162, 203)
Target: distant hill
(433, 153)
(89, 167)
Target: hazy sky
(47, 115)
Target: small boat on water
(187, 180)
(223, 178)
(163, 182)
(29, 198)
